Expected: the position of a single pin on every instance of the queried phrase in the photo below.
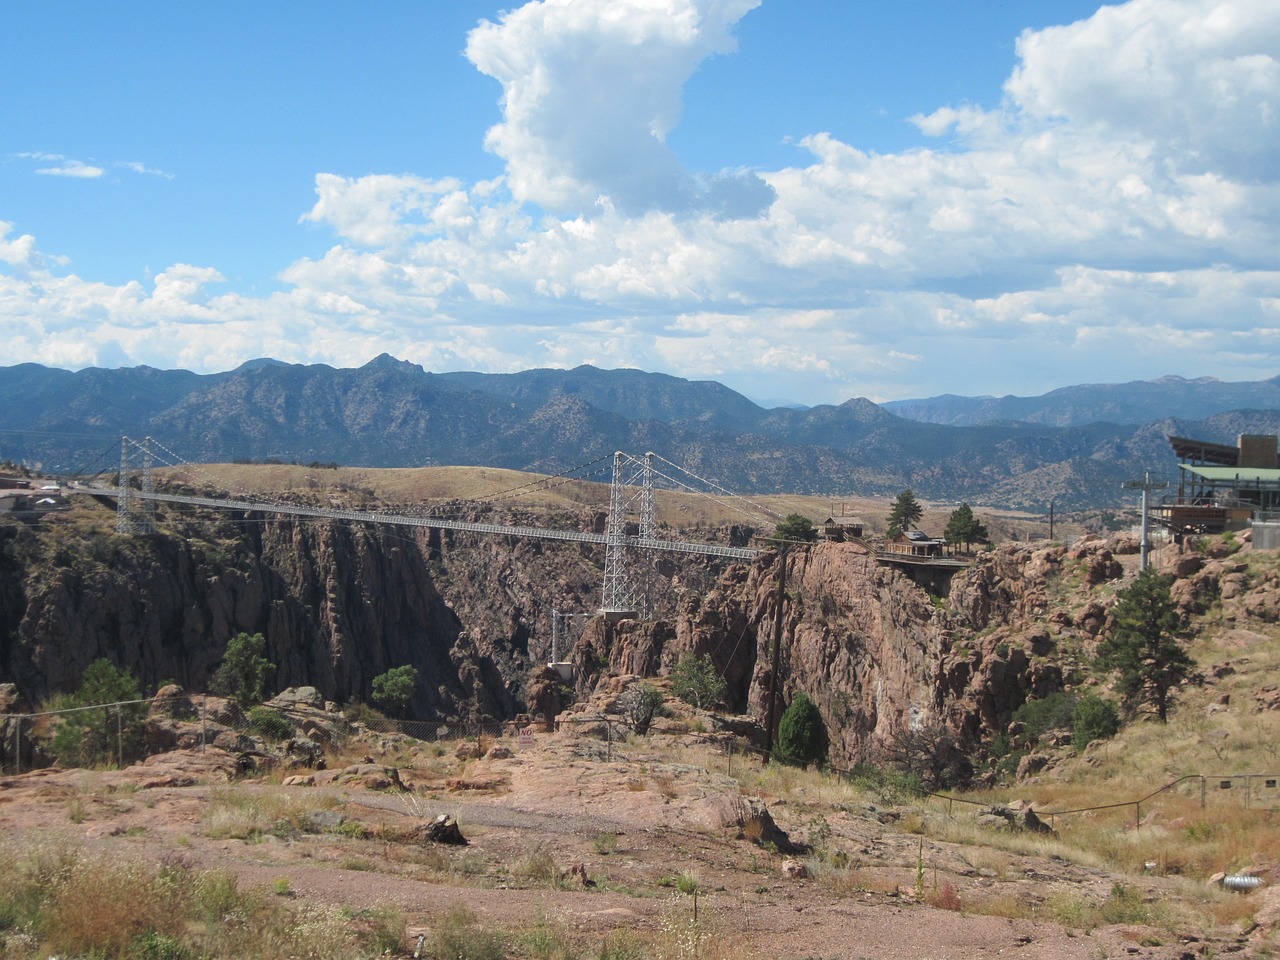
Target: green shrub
(802, 736)
(457, 936)
(269, 724)
(1093, 719)
(1038, 717)
(696, 681)
(395, 688)
(889, 786)
(640, 705)
(796, 527)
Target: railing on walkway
(1269, 782)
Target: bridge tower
(622, 601)
(133, 513)
(618, 602)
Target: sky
(806, 200)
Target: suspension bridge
(631, 492)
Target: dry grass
(426, 485)
(537, 866)
(58, 898)
(858, 878)
(239, 814)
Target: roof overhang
(1204, 451)
(1255, 477)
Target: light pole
(1146, 484)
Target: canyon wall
(340, 604)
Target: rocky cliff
(340, 604)
(861, 639)
(882, 656)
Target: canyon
(340, 604)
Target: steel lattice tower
(124, 499)
(132, 511)
(618, 602)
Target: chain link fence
(117, 735)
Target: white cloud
(1072, 234)
(19, 252)
(383, 210)
(142, 168)
(72, 168)
(577, 126)
(1198, 79)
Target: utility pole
(779, 597)
(1146, 485)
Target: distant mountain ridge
(1136, 402)
(392, 413)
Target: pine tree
(906, 512)
(802, 735)
(796, 527)
(1145, 645)
(964, 527)
(243, 671)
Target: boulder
(794, 870)
(1268, 698)
(172, 702)
(443, 829)
(297, 697)
(748, 816)
(183, 768)
(371, 776)
(1016, 816)
(1031, 764)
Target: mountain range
(1137, 402)
(1074, 446)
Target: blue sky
(802, 199)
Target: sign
(526, 738)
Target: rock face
(864, 642)
(338, 604)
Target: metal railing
(1269, 783)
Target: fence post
(204, 736)
(119, 736)
(1137, 816)
(1202, 796)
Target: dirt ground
(635, 820)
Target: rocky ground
(596, 838)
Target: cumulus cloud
(18, 252)
(1197, 79)
(577, 125)
(383, 210)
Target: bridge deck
(395, 519)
